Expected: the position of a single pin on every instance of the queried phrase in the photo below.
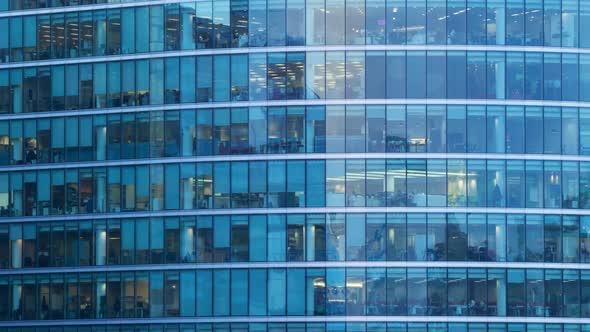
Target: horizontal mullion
(292, 265)
(273, 211)
(98, 6)
(301, 319)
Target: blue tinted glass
(496, 75)
(496, 130)
(534, 129)
(315, 21)
(276, 291)
(534, 76)
(239, 23)
(515, 130)
(552, 129)
(476, 22)
(221, 23)
(435, 128)
(257, 22)
(437, 73)
(584, 77)
(276, 238)
(156, 82)
(396, 21)
(355, 22)
(315, 186)
(295, 16)
(515, 76)
(534, 22)
(276, 22)
(296, 291)
(258, 297)
(375, 63)
(496, 22)
(221, 292)
(355, 237)
(187, 296)
(416, 77)
(396, 74)
(335, 237)
(336, 279)
(316, 129)
(4, 41)
(476, 177)
(188, 79)
(187, 26)
(585, 131)
(156, 28)
(239, 292)
(457, 22)
(416, 18)
(375, 21)
(569, 77)
(515, 18)
(584, 23)
(476, 65)
(456, 129)
(476, 124)
(456, 83)
(552, 20)
(515, 183)
(569, 131)
(436, 22)
(221, 77)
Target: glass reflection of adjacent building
(294, 165)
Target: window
(127, 39)
(156, 28)
(355, 129)
(476, 127)
(436, 183)
(188, 80)
(355, 22)
(295, 14)
(496, 11)
(457, 188)
(496, 132)
(476, 75)
(171, 84)
(276, 25)
(416, 128)
(156, 91)
(204, 79)
(295, 87)
(113, 37)
(355, 237)
(437, 73)
(436, 129)
(335, 19)
(416, 73)
(416, 18)
(476, 22)
(221, 78)
(534, 76)
(239, 77)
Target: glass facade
(294, 165)
(334, 237)
(154, 79)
